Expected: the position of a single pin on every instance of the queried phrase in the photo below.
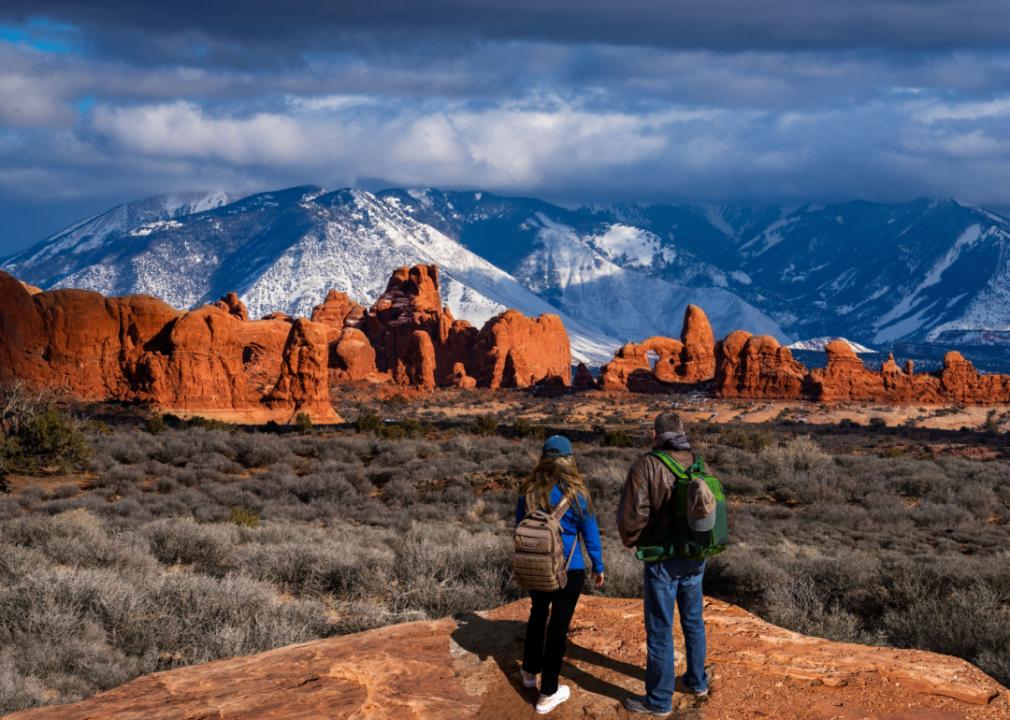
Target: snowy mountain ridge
(922, 271)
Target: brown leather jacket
(644, 514)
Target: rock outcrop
(516, 351)
(412, 304)
(750, 366)
(210, 361)
(468, 668)
(214, 361)
(659, 363)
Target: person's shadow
(502, 640)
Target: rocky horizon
(215, 360)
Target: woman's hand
(599, 579)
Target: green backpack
(686, 543)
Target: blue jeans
(664, 583)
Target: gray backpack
(539, 561)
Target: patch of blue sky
(42, 34)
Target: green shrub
(368, 421)
(36, 435)
(617, 437)
(303, 423)
(155, 424)
(244, 517)
(525, 428)
(877, 422)
(409, 428)
(484, 425)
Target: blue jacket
(573, 524)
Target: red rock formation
(352, 358)
(697, 359)
(303, 383)
(412, 303)
(656, 363)
(516, 351)
(209, 361)
(74, 340)
(459, 378)
(463, 668)
(751, 366)
(338, 311)
(231, 304)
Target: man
(646, 519)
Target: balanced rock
(459, 379)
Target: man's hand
(599, 579)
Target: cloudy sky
(574, 101)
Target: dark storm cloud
(591, 101)
(714, 24)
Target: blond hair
(561, 471)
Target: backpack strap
(559, 512)
(561, 508)
(530, 507)
(672, 465)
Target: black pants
(547, 639)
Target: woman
(555, 477)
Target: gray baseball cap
(700, 506)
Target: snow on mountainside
(610, 274)
(284, 251)
(819, 344)
(58, 253)
(920, 271)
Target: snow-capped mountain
(69, 249)
(283, 251)
(609, 274)
(818, 345)
(920, 271)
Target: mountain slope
(921, 271)
(879, 274)
(607, 273)
(283, 251)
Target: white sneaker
(529, 681)
(546, 703)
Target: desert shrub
(208, 548)
(36, 435)
(244, 517)
(617, 437)
(484, 425)
(303, 423)
(155, 424)
(368, 421)
(525, 428)
(876, 422)
(442, 571)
